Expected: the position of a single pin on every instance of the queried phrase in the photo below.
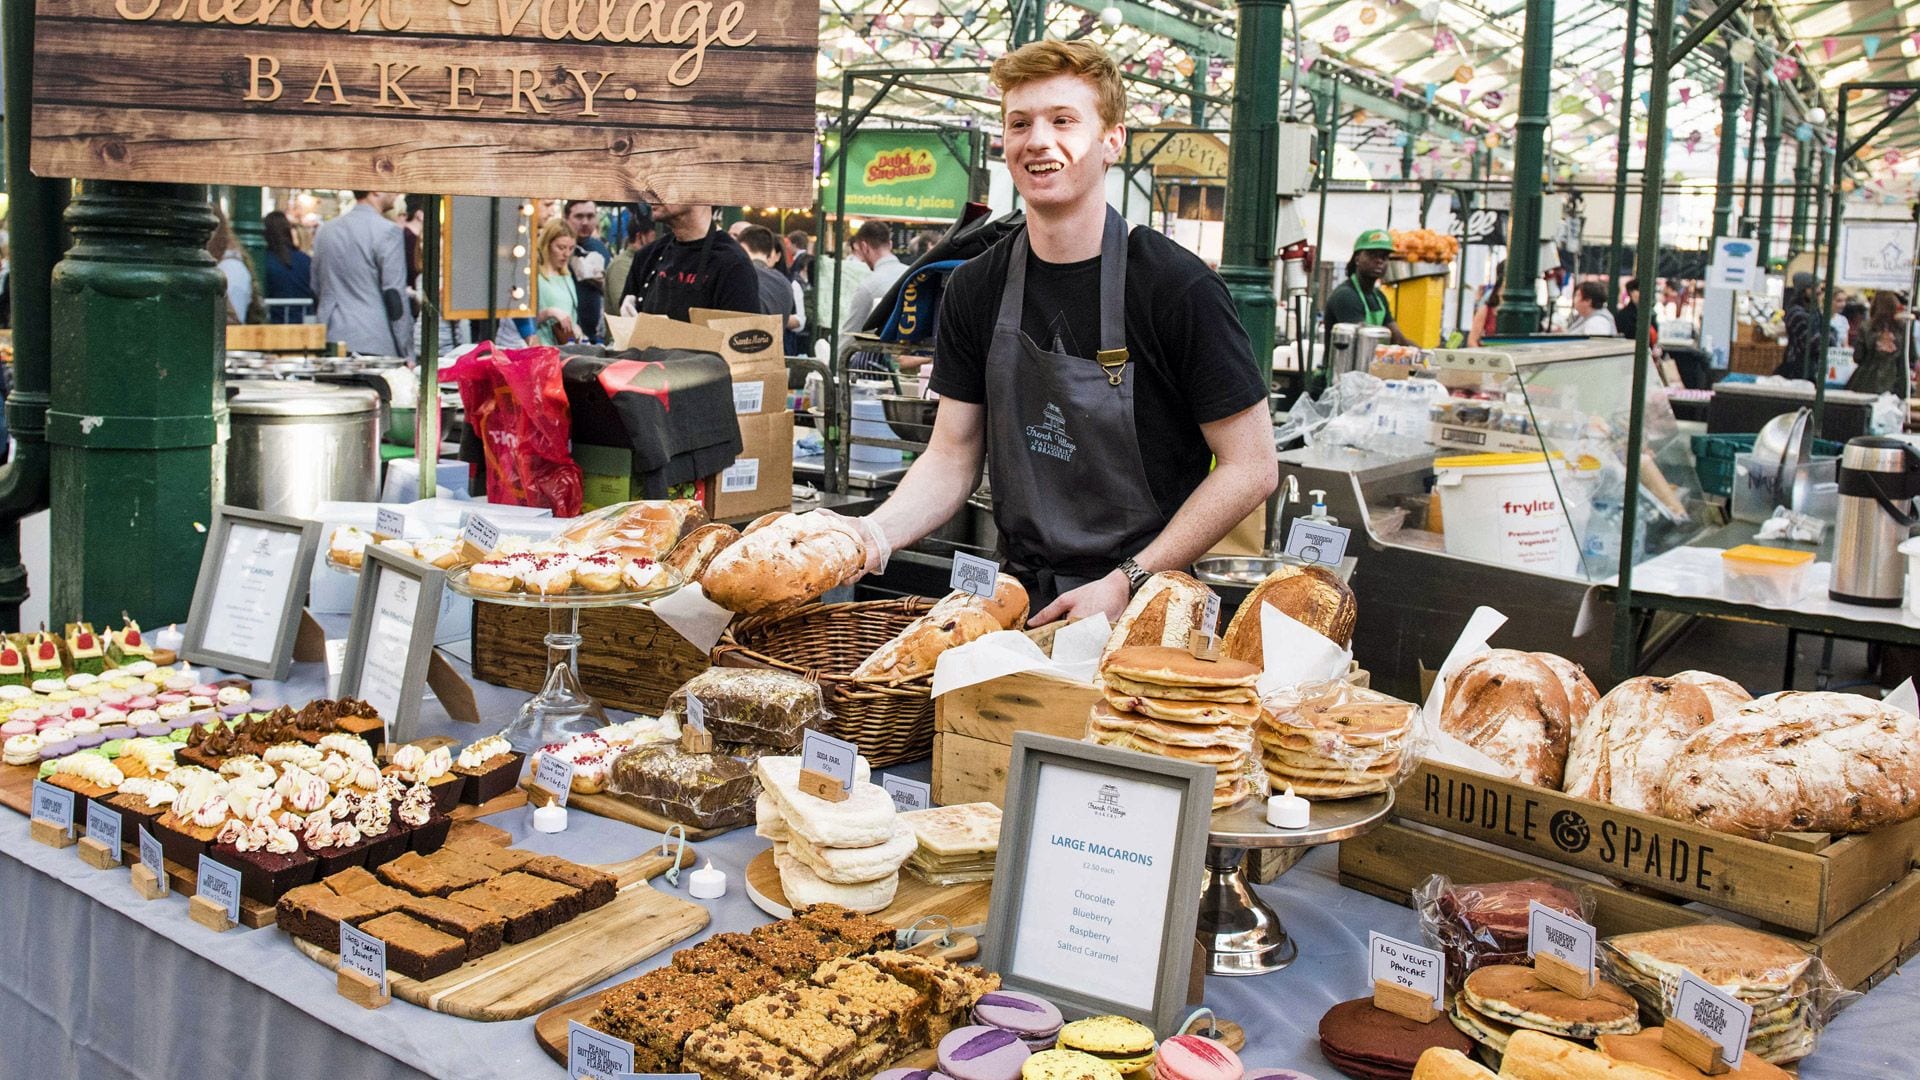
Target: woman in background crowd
(289, 271)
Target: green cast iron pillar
(1730, 93)
(251, 231)
(1769, 174)
(1753, 154)
(33, 222)
(1624, 139)
(139, 418)
(1029, 21)
(1252, 210)
(1519, 309)
(1802, 193)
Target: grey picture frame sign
(1020, 832)
(398, 688)
(214, 643)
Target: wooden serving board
(966, 905)
(551, 1027)
(619, 809)
(520, 980)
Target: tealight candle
(170, 639)
(550, 818)
(707, 883)
(1287, 810)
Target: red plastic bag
(516, 402)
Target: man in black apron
(1101, 371)
(692, 267)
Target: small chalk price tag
(595, 1055)
(389, 523)
(1418, 969)
(1561, 947)
(481, 533)
(829, 756)
(1317, 542)
(1210, 615)
(696, 713)
(555, 774)
(364, 953)
(152, 856)
(53, 805)
(104, 825)
(220, 884)
(973, 574)
(1714, 1013)
(907, 794)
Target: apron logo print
(1050, 438)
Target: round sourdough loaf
(1620, 750)
(1311, 595)
(1512, 707)
(1582, 696)
(1165, 611)
(1798, 762)
(1725, 695)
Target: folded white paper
(1904, 698)
(1295, 653)
(1076, 656)
(691, 615)
(1441, 746)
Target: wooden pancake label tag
(1408, 980)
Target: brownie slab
(313, 913)
(412, 873)
(597, 887)
(483, 931)
(462, 869)
(415, 949)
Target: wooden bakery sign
(691, 100)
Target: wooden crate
(1860, 948)
(277, 337)
(1801, 882)
(629, 659)
(1755, 358)
(973, 728)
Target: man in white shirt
(1590, 314)
(873, 246)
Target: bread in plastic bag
(753, 706)
(644, 529)
(700, 791)
(1222, 743)
(1335, 740)
(1792, 993)
(1481, 925)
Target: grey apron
(1070, 492)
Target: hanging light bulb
(1740, 51)
(1112, 18)
(519, 251)
(1816, 115)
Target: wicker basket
(891, 723)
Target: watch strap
(1137, 575)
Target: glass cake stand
(1241, 934)
(561, 708)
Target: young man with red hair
(1099, 370)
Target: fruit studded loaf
(1512, 708)
(1582, 696)
(1798, 762)
(697, 549)
(957, 619)
(1621, 749)
(1725, 695)
(1166, 611)
(1311, 595)
(641, 530)
(783, 561)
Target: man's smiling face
(1056, 146)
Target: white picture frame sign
(250, 593)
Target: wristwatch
(1137, 575)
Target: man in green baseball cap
(1357, 299)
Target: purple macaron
(982, 1053)
(158, 730)
(53, 751)
(118, 731)
(1275, 1074)
(911, 1074)
(90, 740)
(1034, 1019)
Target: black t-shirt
(1190, 355)
(675, 276)
(1346, 305)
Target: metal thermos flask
(1365, 341)
(1879, 479)
(1340, 348)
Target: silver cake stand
(1241, 934)
(561, 708)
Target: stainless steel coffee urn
(1366, 340)
(1340, 349)
(1879, 479)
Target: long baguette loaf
(783, 562)
(958, 618)
(696, 550)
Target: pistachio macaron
(1060, 1064)
(1125, 1044)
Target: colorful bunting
(1341, 34)
(1803, 132)
(1870, 45)
(1368, 14)
(1786, 68)
(1686, 93)
(1443, 40)
(1829, 46)
(1432, 89)
(1399, 84)
(1463, 74)
(1466, 94)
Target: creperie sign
(687, 97)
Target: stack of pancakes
(1166, 701)
(1499, 1000)
(1333, 740)
(1773, 975)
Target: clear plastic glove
(872, 541)
(629, 306)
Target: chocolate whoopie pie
(1372, 1044)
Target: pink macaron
(1196, 1057)
(18, 727)
(142, 701)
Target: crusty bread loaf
(640, 530)
(782, 563)
(695, 551)
(958, 618)
(1621, 749)
(1511, 707)
(1536, 1055)
(1446, 1063)
(1725, 695)
(1165, 611)
(1582, 695)
(1798, 762)
(1312, 595)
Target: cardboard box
(760, 387)
(741, 339)
(761, 478)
